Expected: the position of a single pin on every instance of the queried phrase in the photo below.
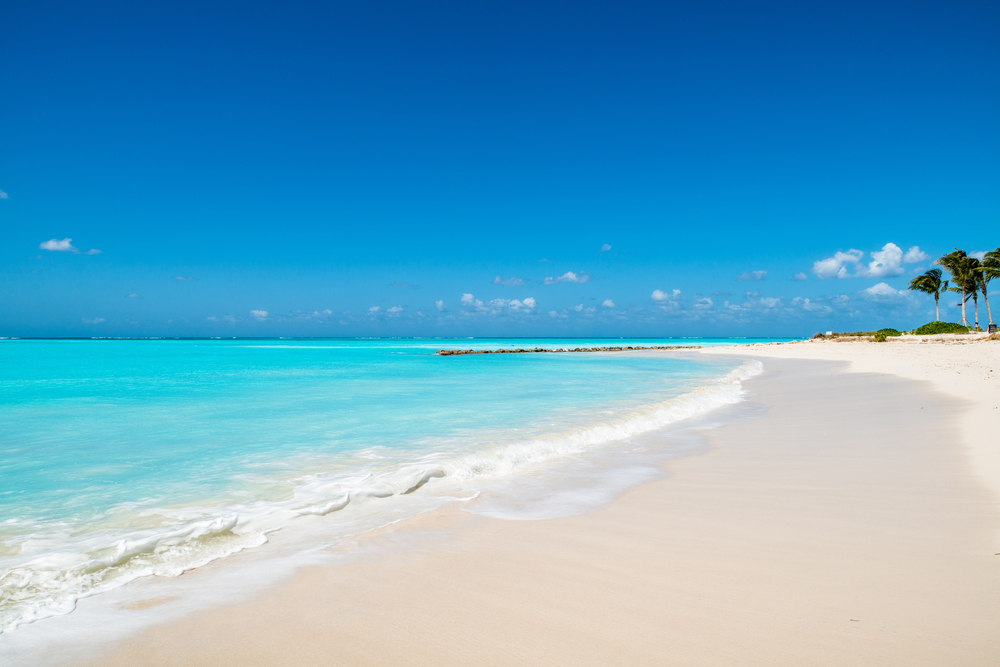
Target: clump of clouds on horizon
(513, 281)
(96, 320)
(261, 315)
(607, 303)
(184, 278)
(568, 277)
(752, 275)
(660, 295)
(496, 306)
(605, 247)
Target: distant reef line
(616, 348)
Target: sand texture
(855, 523)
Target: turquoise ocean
(127, 459)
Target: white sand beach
(856, 523)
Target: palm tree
(974, 280)
(957, 263)
(988, 269)
(931, 283)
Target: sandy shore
(854, 524)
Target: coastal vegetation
(970, 277)
(881, 335)
(932, 328)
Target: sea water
(125, 459)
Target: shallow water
(123, 459)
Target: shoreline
(429, 575)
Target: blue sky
(341, 169)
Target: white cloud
(133, 295)
(467, 299)
(810, 305)
(659, 295)
(978, 254)
(513, 281)
(606, 247)
(93, 251)
(259, 314)
(212, 318)
(608, 303)
(881, 290)
(3, 195)
(394, 311)
(183, 278)
(439, 304)
(374, 310)
(703, 304)
(752, 275)
(800, 276)
(578, 307)
(770, 302)
(836, 266)
(885, 262)
(568, 277)
(58, 246)
(498, 306)
(96, 320)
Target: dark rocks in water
(450, 353)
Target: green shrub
(879, 336)
(888, 332)
(940, 328)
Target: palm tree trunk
(937, 307)
(975, 304)
(965, 322)
(989, 313)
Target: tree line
(969, 276)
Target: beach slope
(852, 524)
